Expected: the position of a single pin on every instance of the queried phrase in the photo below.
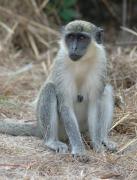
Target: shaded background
(29, 34)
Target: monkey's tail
(19, 129)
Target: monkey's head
(78, 36)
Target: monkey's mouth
(75, 57)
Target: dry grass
(27, 47)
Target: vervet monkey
(75, 98)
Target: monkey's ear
(99, 35)
(62, 29)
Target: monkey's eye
(70, 36)
(81, 37)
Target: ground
(27, 158)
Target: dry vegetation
(27, 47)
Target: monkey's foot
(110, 145)
(78, 152)
(81, 158)
(78, 149)
(97, 147)
(57, 146)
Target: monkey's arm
(71, 126)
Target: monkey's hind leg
(94, 127)
(47, 118)
(106, 115)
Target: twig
(129, 30)
(34, 32)
(6, 27)
(9, 30)
(21, 70)
(34, 4)
(127, 145)
(10, 34)
(27, 166)
(27, 21)
(126, 43)
(111, 11)
(45, 68)
(45, 2)
(124, 15)
(120, 121)
(33, 45)
(48, 59)
(111, 175)
(14, 165)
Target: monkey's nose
(74, 57)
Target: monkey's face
(77, 44)
(78, 37)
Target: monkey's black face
(77, 44)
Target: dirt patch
(27, 158)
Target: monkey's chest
(80, 83)
(80, 75)
(85, 90)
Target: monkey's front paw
(110, 145)
(57, 146)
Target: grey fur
(22, 129)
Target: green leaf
(69, 3)
(67, 14)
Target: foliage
(66, 9)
